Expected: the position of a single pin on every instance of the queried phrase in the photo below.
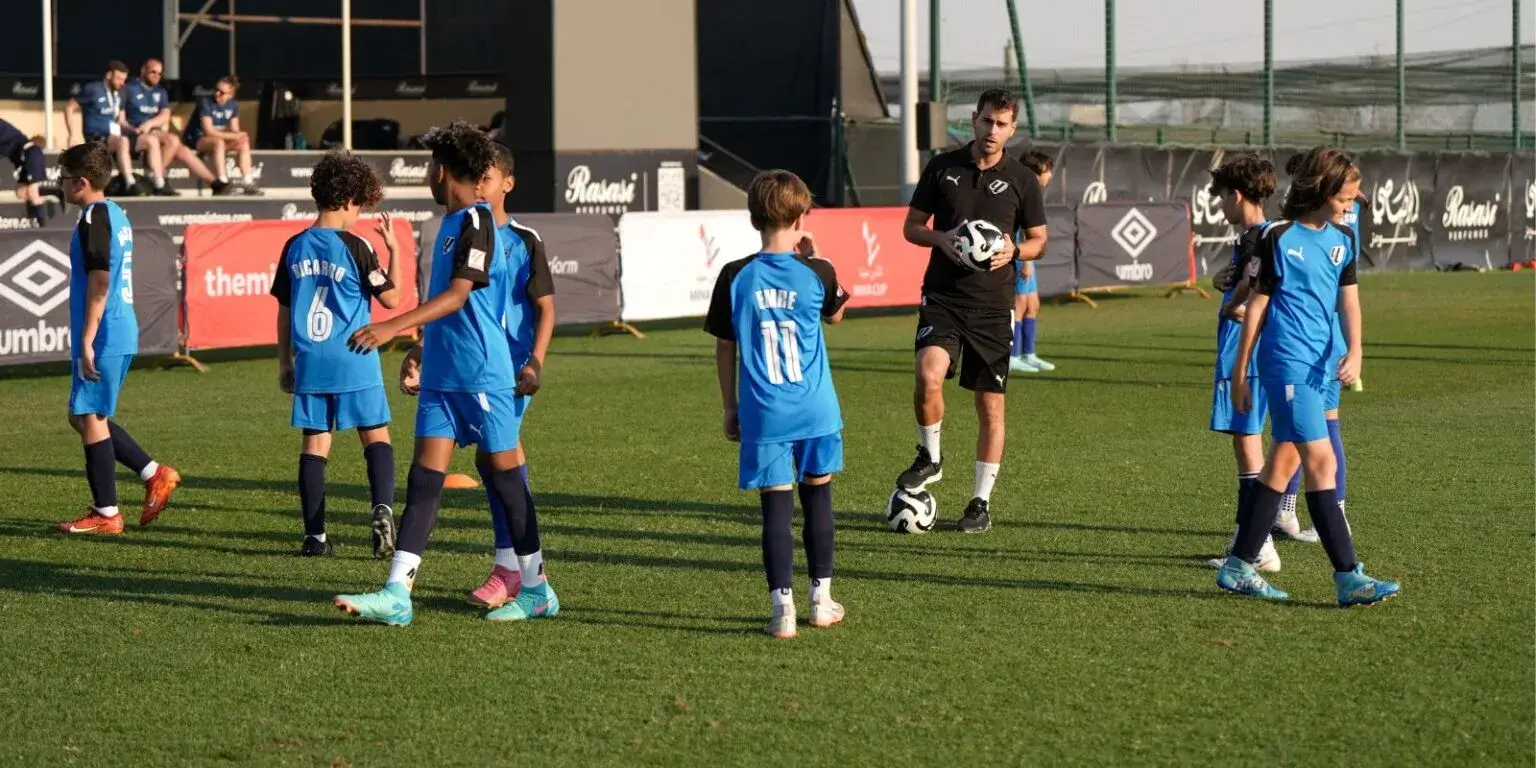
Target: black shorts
(33, 167)
(978, 341)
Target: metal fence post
(1109, 69)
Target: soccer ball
(909, 512)
(977, 241)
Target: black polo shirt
(953, 190)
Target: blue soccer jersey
(467, 351)
(1229, 332)
(1301, 269)
(219, 114)
(99, 107)
(327, 278)
(528, 279)
(771, 305)
(142, 102)
(103, 242)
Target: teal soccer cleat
(390, 605)
(1240, 577)
(1356, 588)
(535, 602)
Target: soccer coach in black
(966, 319)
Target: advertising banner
(229, 272)
(615, 183)
(670, 260)
(1056, 269)
(875, 264)
(1400, 188)
(1119, 245)
(1522, 243)
(34, 294)
(1470, 221)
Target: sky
(1172, 32)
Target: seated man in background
(214, 129)
(147, 109)
(96, 113)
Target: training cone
(460, 482)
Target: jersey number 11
(781, 351)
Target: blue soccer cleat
(1356, 588)
(390, 605)
(532, 602)
(1240, 577)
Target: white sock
(149, 471)
(928, 438)
(106, 511)
(223, 179)
(403, 568)
(159, 182)
(128, 178)
(317, 537)
(821, 589)
(986, 475)
(532, 567)
(783, 598)
(507, 558)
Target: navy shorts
(33, 167)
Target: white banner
(669, 261)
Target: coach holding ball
(966, 320)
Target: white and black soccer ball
(911, 511)
(977, 241)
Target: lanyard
(114, 99)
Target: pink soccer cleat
(499, 587)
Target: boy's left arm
(1353, 325)
(720, 324)
(541, 289)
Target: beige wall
(625, 75)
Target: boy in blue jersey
(1026, 288)
(1304, 282)
(104, 337)
(330, 276)
(469, 389)
(31, 169)
(1242, 184)
(770, 306)
(95, 114)
(530, 324)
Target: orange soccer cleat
(93, 522)
(157, 492)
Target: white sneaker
(1019, 364)
(1269, 558)
(825, 613)
(1040, 365)
(1287, 523)
(782, 625)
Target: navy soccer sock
(498, 510)
(381, 473)
(100, 474)
(128, 452)
(1018, 338)
(522, 524)
(312, 493)
(1337, 438)
(1263, 508)
(39, 214)
(819, 529)
(1332, 528)
(1028, 340)
(423, 495)
(1246, 481)
(778, 538)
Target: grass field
(1081, 630)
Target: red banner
(875, 264)
(229, 271)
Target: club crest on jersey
(1336, 255)
(997, 187)
(448, 244)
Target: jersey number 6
(320, 317)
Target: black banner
(1119, 244)
(363, 88)
(615, 183)
(1470, 220)
(1190, 183)
(282, 169)
(583, 255)
(1393, 230)
(1056, 269)
(1522, 177)
(34, 294)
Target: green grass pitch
(1081, 630)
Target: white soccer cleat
(1290, 525)
(825, 613)
(1269, 558)
(782, 624)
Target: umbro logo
(36, 278)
